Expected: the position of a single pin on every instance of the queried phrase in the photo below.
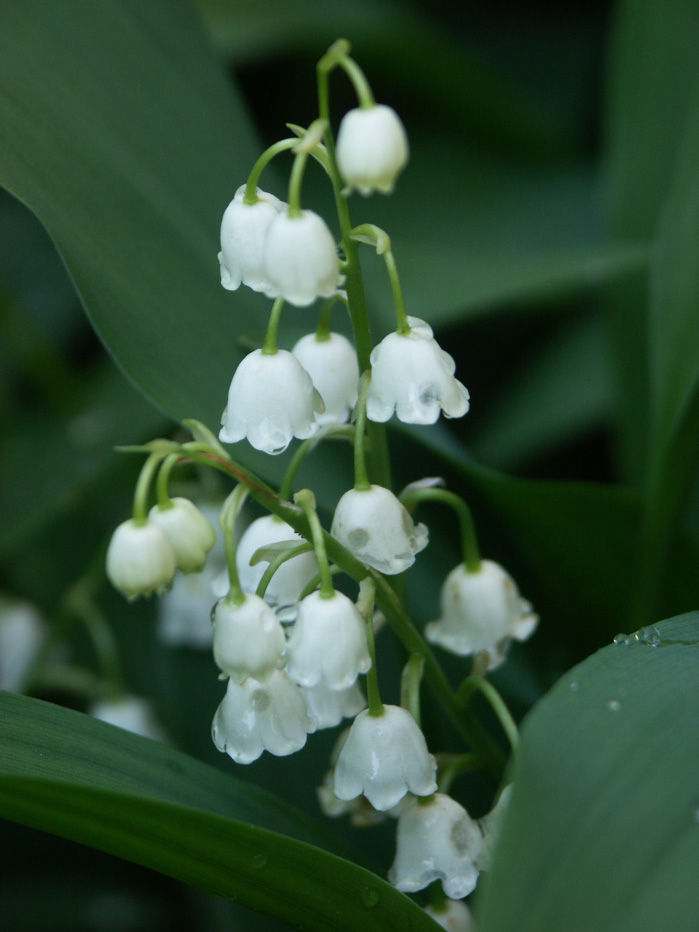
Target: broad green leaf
(120, 132)
(602, 828)
(76, 777)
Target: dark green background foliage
(547, 227)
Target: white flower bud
(140, 559)
(22, 634)
(287, 583)
(378, 530)
(271, 400)
(372, 148)
(328, 645)
(254, 717)
(191, 534)
(132, 713)
(248, 638)
(300, 258)
(481, 612)
(327, 707)
(436, 840)
(413, 376)
(333, 367)
(243, 231)
(384, 758)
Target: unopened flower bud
(248, 638)
(372, 148)
(140, 559)
(191, 534)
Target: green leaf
(123, 136)
(601, 831)
(674, 309)
(652, 76)
(66, 773)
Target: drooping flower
(481, 612)
(372, 148)
(332, 365)
(384, 758)
(243, 231)
(436, 840)
(254, 717)
(287, 583)
(327, 707)
(132, 713)
(300, 258)
(190, 533)
(140, 559)
(248, 638)
(271, 399)
(22, 635)
(328, 645)
(413, 376)
(378, 530)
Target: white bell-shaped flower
(248, 638)
(300, 258)
(327, 707)
(413, 376)
(191, 534)
(254, 717)
(243, 231)
(436, 840)
(140, 559)
(385, 757)
(22, 635)
(452, 915)
(378, 530)
(333, 367)
(287, 583)
(132, 713)
(328, 645)
(480, 613)
(372, 148)
(271, 400)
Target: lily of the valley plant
(300, 606)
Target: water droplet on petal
(620, 640)
(369, 896)
(613, 705)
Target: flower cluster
(292, 647)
